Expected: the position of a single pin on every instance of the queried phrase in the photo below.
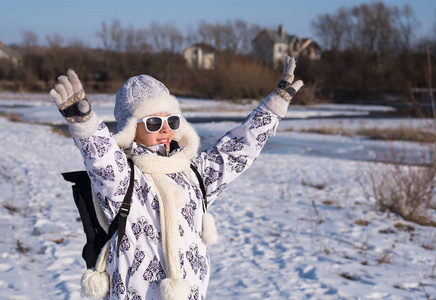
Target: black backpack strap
(203, 190)
(119, 222)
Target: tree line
(370, 52)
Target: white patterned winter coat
(140, 267)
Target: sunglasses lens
(173, 122)
(153, 124)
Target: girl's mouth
(163, 141)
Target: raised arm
(105, 163)
(240, 147)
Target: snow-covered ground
(307, 230)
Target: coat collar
(160, 149)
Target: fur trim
(162, 104)
(209, 235)
(126, 136)
(174, 289)
(151, 106)
(187, 137)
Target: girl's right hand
(70, 98)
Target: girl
(163, 252)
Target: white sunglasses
(155, 123)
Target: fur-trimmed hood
(142, 96)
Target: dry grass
(11, 117)
(16, 118)
(407, 191)
(385, 257)
(329, 130)
(400, 133)
(59, 131)
(361, 222)
(21, 248)
(318, 186)
(404, 227)
(11, 208)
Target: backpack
(96, 230)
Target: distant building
(272, 46)
(10, 54)
(200, 56)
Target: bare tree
(55, 40)
(373, 28)
(76, 43)
(332, 29)
(239, 36)
(212, 34)
(136, 40)
(166, 38)
(253, 31)
(220, 36)
(112, 36)
(232, 36)
(29, 39)
(406, 23)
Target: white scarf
(171, 197)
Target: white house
(272, 46)
(10, 54)
(200, 56)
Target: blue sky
(81, 19)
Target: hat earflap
(187, 137)
(126, 136)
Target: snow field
(296, 225)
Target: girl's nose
(165, 127)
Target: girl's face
(163, 136)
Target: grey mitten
(71, 101)
(280, 98)
(70, 98)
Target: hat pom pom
(95, 285)
(174, 289)
(210, 235)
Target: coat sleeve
(235, 151)
(107, 168)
